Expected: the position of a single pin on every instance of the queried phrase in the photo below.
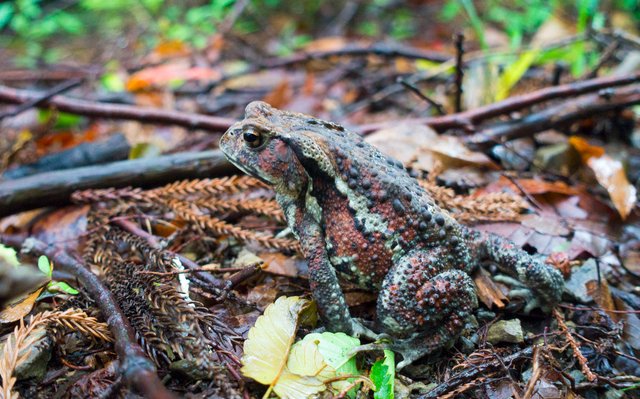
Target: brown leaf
(280, 96)
(600, 293)
(164, 75)
(403, 142)
(277, 263)
(19, 308)
(610, 174)
(631, 329)
(488, 291)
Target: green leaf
(63, 287)
(335, 348)
(8, 255)
(111, 81)
(64, 120)
(514, 72)
(383, 376)
(6, 12)
(45, 266)
(144, 150)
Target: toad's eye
(252, 138)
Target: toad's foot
(358, 329)
(521, 291)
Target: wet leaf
(599, 291)
(44, 265)
(488, 291)
(267, 347)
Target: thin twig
(34, 102)
(436, 105)
(472, 373)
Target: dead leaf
(277, 263)
(611, 175)
(280, 96)
(19, 308)
(164, 75)
(403, 141)
(552, 29)
(599, 291)
(488, 291)
(631, 325)
(451, 151)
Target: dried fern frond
(489, 207)
(188, 212)
(222, 185)
(257, 206)
(22, 339)
(108, 194)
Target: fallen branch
(55, 188)
(114, 148)
(468, 119)
(118, 111)
(556, 116)
(472, 373)
(137, 370)
(379, 49)
(34, 102)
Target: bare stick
(459, 43)
(55, 188)
(469, 119)
(118, 111)
(137, 370)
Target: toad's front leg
(323, 280)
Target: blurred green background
(35, 32)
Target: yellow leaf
(294, 386)
(267, 347)
(306, 360)
(514, 72)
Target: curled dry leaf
(610, 174)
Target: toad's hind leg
(425, 303)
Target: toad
(360, 216)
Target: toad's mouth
(246, 168)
